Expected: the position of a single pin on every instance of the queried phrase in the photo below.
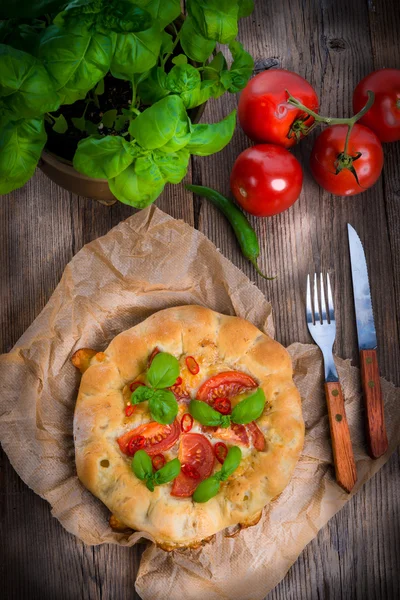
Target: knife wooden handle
(376, 430)
(345, 467)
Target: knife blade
(367, 344)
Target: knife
(367, 343)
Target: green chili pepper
(245, 234)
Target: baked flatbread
(219, 344)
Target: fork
(322, 327)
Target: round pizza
(186, 424)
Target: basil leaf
(183, 78)
(167, 44)
(207, 139)
(76, 60)
(141, 465)
(150, 484)
(163, 371)
(164, 124)
(108, 118)
(21, 144)
(164, 11)
(241, 69)
(105, 16)
(195, 45)
(141, 394)
(173, 166)
(103, 158)
(163, 406)
(135, 52)
(206, 490)
(199, 95)
(206, 415)
(231, 463)
(153, 88)
(181, 59)
(26, 89)
(215, 19)
(213, 71)
(246, 7)
(60, 124)
(139, 184)
(249, 409)
(168, 472)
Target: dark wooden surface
(357, 555)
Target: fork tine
(316, 305)
(323, 301)
(330, 300)
(309, 313)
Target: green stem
(332, 120)
(174, 45)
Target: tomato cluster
(278, 108)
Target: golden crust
(219, 343)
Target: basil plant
(168, 63)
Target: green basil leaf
(123, 16)
(200, 95)
(152, 89)
(79, 123)
(246, 7)
(231, 462)
(241, 69)
(163, 371)
(195, 46)
(135, 52)
(181, 59)
(167, 44)
(60, 124)
(215, 19)
(139, 184)
(108, 118)
(168, 472)
(173, 166)
(183, 78)
(21, 144)
(207, 139)
(206, 415)
(76, 60)
(141, 394)
(26, 89)
(99, 90)
(150, 483)
(206, 490)
(249, 409)
(164, 124)
(213, 71)
(163, 406)
(164, 11)
(103, 158)
(141, 465)
(22, 36)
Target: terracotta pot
(63, 173)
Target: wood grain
(357, 555)
(345, 468)
(374, 411)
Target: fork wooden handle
(345, 467)
(376, 430)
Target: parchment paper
(147, 263)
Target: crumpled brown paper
(147, 263)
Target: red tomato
(150, 432)
(235, 434)
(257, 435)
(364, 147)
(384, 115)
(197, 459)
(225, 385)
(264, 113)
(266, 180)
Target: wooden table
(333, 45)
